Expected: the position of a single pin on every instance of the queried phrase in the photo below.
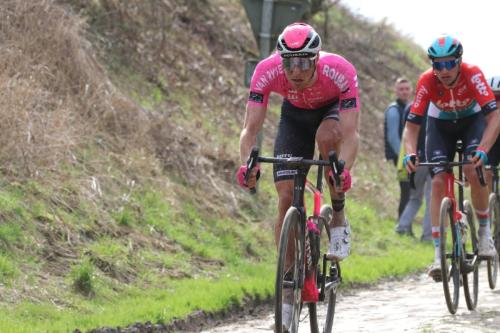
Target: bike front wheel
(450, 260)
(331, 290)
(495, 231)
(289, 271)
(470, 271)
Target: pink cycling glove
(347, 179)
(240, 175)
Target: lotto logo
(480, 85)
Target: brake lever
(480, 175)
(337, 167)
(251, 163)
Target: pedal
(467, 268)
(484, 258)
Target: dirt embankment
(100, 98)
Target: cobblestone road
(415, 304)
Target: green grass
(412, 52)
(175, 300)
(124, 216)
(10, 233)
(83, 277)
(8, 269)
(167, 284)
(377, 252)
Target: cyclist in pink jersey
(320, 105)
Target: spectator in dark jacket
(395, 116)
(422, 188)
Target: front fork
(334, 278)
(457, 215)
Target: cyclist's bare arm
(349, 122)
(254, 119)
(411, 137)
(492, 130)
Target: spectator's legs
(405, 196)
(414, 203)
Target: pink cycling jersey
(336, 81)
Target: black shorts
(494, 154)
(442, 137)
(297, 134)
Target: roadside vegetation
(119, 139)
(377, 253)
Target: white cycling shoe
(340, 242)
(435, 270)
(487, 247)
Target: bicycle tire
(331, 297)
(450, 263)
(291, 226)
(470, 253)
(492, 264)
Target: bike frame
(458, 210)
(334, 266)
(300, 182)
(300, 185)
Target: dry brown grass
(55, 97)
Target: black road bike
(304, 248)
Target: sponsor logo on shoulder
(338, 78)
(420, 94)
(480, 85)
(266, 78)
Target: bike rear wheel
(449, 251)
(331, 293)
(470, 271)
(493, 263)
(288, 285)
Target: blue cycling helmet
(445, 46)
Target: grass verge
(377, 253)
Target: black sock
(338, 204)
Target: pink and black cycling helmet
(298, 40)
